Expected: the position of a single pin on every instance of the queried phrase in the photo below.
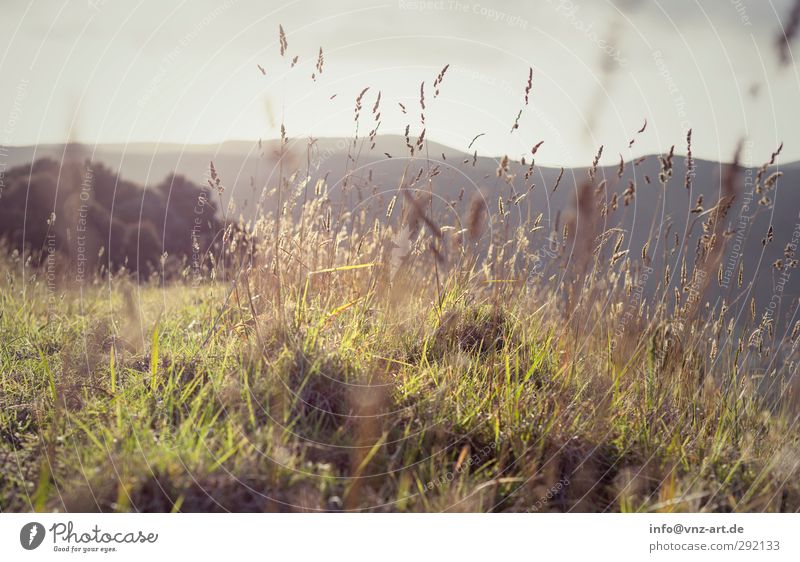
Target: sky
(113, 71)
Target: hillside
(436, 359)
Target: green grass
(175, 399)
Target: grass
(126, 398)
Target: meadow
(347, 362)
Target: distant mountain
(357, 177)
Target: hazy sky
(151, 70)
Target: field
(371, 367)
